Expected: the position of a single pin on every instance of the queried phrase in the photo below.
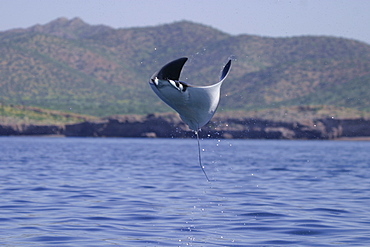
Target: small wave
(100, 218)
(331, 210)
(55, 239)
(278, 242)
(263, 214)
(304, 232)
(40, 188)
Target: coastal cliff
(30, 130)
(170, 126)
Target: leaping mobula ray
(196, 105)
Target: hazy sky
(341, 18)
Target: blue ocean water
(152, 192)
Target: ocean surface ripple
(152, 192)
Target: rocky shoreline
(170, 126)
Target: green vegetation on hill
(70, 66)
(298, 113)
(10, 115)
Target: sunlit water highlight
(152, 192)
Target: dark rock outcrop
(152, 125)
(170, 126)
(155, 125)
(23, 129)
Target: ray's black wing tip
(225, 70)
(172, 70)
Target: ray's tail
(200, 158)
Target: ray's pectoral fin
(225, 70)
(204, 102)
(172, 70)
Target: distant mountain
(69, 65)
